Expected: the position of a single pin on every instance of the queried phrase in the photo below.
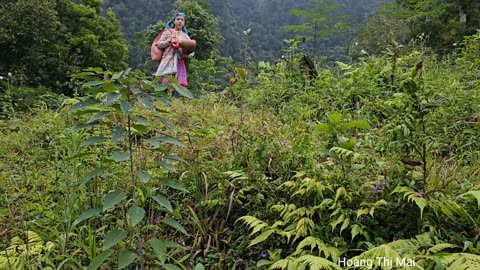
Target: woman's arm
(165, 39)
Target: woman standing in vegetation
(174, 56)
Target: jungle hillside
(313, 134)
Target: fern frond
(253, 223)
(460, 261)
(282, 264)
(420, 202)
(304, 226)
(262, 237)
(384, 251)
(335, 223)
(440, 247)
(405, 246)
(310, 241)
(298, 213)
(412, 196)
(318, 263)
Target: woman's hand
(174, 43)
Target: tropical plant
(113, 102)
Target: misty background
(266, 20)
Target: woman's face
(179, 22)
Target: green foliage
(202, 26)
(317, 20)
(443, 24)
(114, 102)
(373, 158)
(30, 252)
(43, 42)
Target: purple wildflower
(158, 218)
(379, 185)
(264, 254)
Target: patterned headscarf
(170, 23)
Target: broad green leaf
(108, 87)
(341, 191)
(147, 102)
(111, 98)
(92, 140)
(171, 140)
(174, 224)
(173, 157)
(119, 156)
(159, 249)
(141, 120)
(114, 237)
(159, 87)
(91, 175)
(166, 165)
(82, 75)
(98, 116)
(135, 215)
(86, 215)
(81, 155)
(125, 107)
(84, 104)
(163, 201)
(345, 224)
(97, 261)
(348, 144)
(263, 262)
(81, 126)
(140, 129)
(362, 212)
(144, 177)
(164, 100)
(172, 244)
(117, 75)
(93, 83)
(182, 91)
(167, 123)
(323, 128)
(357, 124)
(335, 118)
(153, 142)
(94, 70)
(171, 267)
(113, 198)
(136, 91)
(118, 134)
(355, 230)
(420, 202)
(85, 112)
(199, 266)
(125, 258)
(173, 184)
(137, 73)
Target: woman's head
(178, 21)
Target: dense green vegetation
(367, 163)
